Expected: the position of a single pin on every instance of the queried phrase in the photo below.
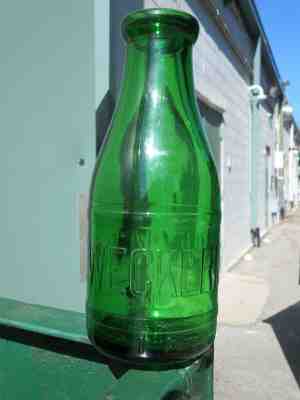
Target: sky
(281, 21)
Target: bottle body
(154, 217)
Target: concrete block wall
(220, 77)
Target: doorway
(212, 123)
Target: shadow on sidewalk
(286, 326)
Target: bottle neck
(156, 70)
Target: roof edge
(251, 14)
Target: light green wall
(102, 44)
(49, 55)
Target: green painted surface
(45, 320)
(35, 373)
(194, 382)
(32, 373)
(35, 354)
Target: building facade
(229, 61)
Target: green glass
(155, 207)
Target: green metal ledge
(45, 354)
(67, 325)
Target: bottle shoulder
(162, 134)
(158, 156)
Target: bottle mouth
(160, 23)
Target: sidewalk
(258, 341)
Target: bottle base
(149, 349)
(149, 360)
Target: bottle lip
(160, 23)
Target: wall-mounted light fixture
(257, 93)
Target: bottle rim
(160, 23)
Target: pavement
(258, 342)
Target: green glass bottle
(154, 207)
